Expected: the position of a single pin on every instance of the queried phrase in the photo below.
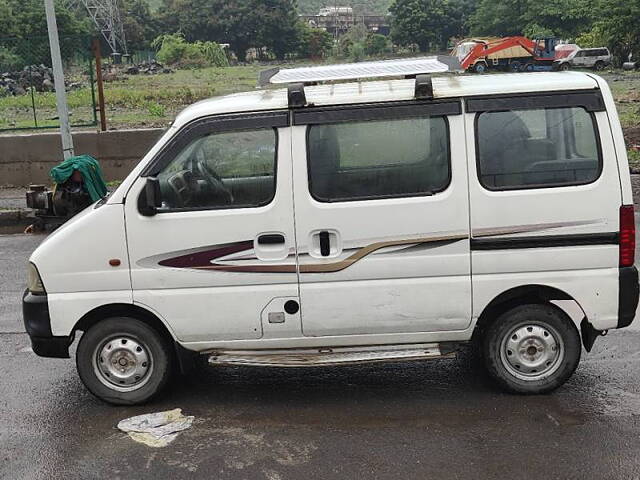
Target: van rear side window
(378, 159)
(547, 147)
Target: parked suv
(596, 58)
(339, 223)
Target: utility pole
(58, 80)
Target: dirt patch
(632, 136)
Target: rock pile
(147, 68)
(37, 76)
(18, 83)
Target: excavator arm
(485, 49)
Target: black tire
(480, 67)
(508, 343)
(118, 339)
(564, 67)
(599, 66)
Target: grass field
(133, 100)
(154, 100)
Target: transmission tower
(106, 17)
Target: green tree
(430, 23)
(351, 44)
(498, 18)
(279, 32)
(139, 23)
(376, 44)
(241, 23)
(420, 22)
(175, 50)
(533, 18)
(618, 25)
(26, 21)
(561, 18)
(313, 43)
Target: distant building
(327, 11)
(338, 20)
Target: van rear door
(381, 213)
(545, 198)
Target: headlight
(34, 284)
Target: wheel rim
(479, 68)
(123, 363)
(532, 350)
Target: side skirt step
(315, 357)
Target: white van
(352, 222)
(596, 58)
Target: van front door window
(222, 170)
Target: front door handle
(270, 239)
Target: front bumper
(37, 323)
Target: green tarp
(91, 173)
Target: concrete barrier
(27, 158)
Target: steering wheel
(183, 185)
(214, 181)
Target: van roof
(446, 86)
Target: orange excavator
(516, 54)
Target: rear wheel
(532, 348)
(515, 66)
(123, 361)
(599, 65)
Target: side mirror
(151, 199)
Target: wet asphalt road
(440, 419)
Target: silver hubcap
(532, 351)
(122, 363)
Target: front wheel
(532, 348)
(480, 67)
(123, 361)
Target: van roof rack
(418, 67)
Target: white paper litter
(156, 429)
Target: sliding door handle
(325, 247)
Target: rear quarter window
(546, 147)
